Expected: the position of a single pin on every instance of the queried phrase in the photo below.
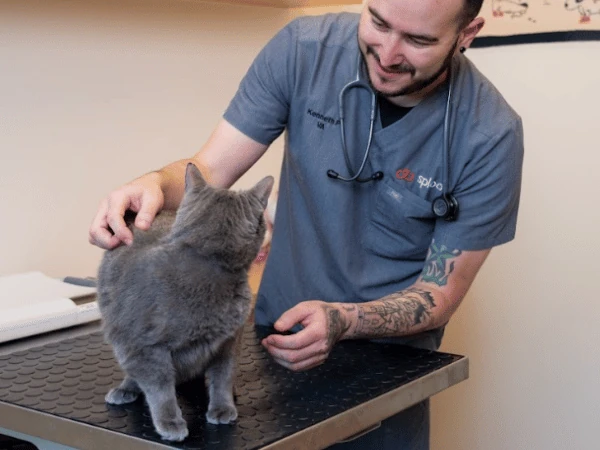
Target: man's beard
(407, 68)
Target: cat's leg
(127, 392)
(220, 373)
(189, 361)
(152, 368)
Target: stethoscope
(445, 206)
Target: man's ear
(469, 32)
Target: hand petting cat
(323, 324)
(142, 196)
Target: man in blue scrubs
(362, 260)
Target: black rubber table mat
(70, 379)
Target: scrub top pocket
(402, 224)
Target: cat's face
(220, 223)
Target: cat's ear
(193, 177)
(263, 189)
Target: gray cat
(174, 302)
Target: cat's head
(226, 225)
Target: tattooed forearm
(397, 314)
(337, 323)
(439, 264)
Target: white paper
(17, 314)
(33, 303)
(59, 315)
(34, 287)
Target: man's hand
(143, 196)
(324, 325)
(226, 156)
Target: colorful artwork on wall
(531, 21)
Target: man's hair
(470, 11)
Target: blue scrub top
(356, 242)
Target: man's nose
(391, 52)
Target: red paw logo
(405, 174)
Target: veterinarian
(378, 234)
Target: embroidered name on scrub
(322, 118)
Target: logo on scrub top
(427, 183)
(405, 174)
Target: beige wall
(95, 93)
(530, 323)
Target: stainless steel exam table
(52, 391)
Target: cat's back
(124, 265)
(142, 240)
(160, 227)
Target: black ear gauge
(462, 49)
(445, 207)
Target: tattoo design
(336, 324)
(435, 270)
(395, 314)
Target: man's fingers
(299, 314)
(99, 234)
(302, 365)
(301, 339)
(103, 239)
(142, 196)
(298, 355)
(114, 218)
(149, 207)
(306, 348)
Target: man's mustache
(403, 67)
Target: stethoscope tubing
(358, 83)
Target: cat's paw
(118, 396)
(172, 430)
(221, 414)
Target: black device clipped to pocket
(445, 207)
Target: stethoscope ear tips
(336, 176)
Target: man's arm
(226, 156)
(427, 304)
(260, 109)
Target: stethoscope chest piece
(445, 207)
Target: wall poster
(530, 21)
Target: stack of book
(33, 303)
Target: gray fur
(174, 302)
